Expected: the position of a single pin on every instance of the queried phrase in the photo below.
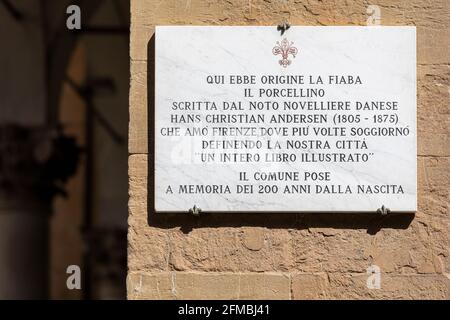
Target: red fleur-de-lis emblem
(285, 48)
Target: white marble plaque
(319, 119)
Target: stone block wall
(294, 256)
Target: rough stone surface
(310, 286)
(201, 286)
(295, 256)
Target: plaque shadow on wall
(372, 222)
